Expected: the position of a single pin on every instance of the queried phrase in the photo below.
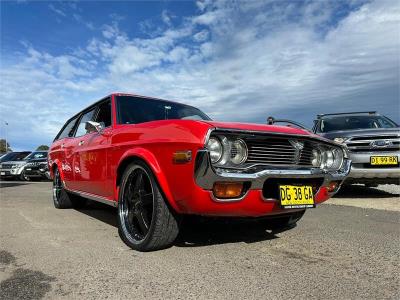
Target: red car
(157, 160)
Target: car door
(79, 140)
(93, 151)
(62, 149)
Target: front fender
(151, 160)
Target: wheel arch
(53, 165)
(150, 160)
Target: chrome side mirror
(92, 126)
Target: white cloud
(245, 62)
(57, 10)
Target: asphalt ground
(347, 248)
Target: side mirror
(92, 126)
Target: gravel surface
(338, 251)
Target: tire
(22, 177)
(61, 198)
(145, 221)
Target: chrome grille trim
(367, 143)
(279, 151)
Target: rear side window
(87, 116)
(68, 129)
(104, 113)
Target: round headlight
(316, 158)
(329, 159)
(238, 151)
(338, 155)
(214, 147)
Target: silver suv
(373, 142)
(15, 169)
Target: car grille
(6, 166)
(383, 143)
(35, 164)
(279, 151)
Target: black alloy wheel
(137, 205)
(57, 188)
(145, 222)
(63, 199)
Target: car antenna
(167, 109)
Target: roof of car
(319, 116)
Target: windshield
(355, 122)
(13, 156)
(133, 110)
(36, 155)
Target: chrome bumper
(358, 171)
(206, 175)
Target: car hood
(361, 132)
(258, 127)
(38, 160)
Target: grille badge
(381, 144)
(298, 147)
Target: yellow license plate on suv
(384, 160)
(294, 196)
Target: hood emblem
(381, 144)
(298, 146)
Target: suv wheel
(63, 199)
(145, 222)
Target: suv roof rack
(347, 113)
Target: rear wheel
(61, 198)
(145, 222)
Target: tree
(3, 148)
(42, 148)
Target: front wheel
(145, 222)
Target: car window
(68, 129)
(133, 110)
(104, 114)
(88, 116)
(36, 155)
(338, 123)
(21, 156)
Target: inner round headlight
(238, 151)
(329, 159)
(316, 158)
(214, 147)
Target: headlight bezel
(332, 157)
(229, 158)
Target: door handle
(62, 146)
(81, 143)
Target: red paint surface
(93, 167)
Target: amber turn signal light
(181, 157)
(225, 190)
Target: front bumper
(362, 172)
(36, 173)
(253, 202)
(10, 172)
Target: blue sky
(237, 61)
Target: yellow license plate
(293, 196)
(384, 160)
